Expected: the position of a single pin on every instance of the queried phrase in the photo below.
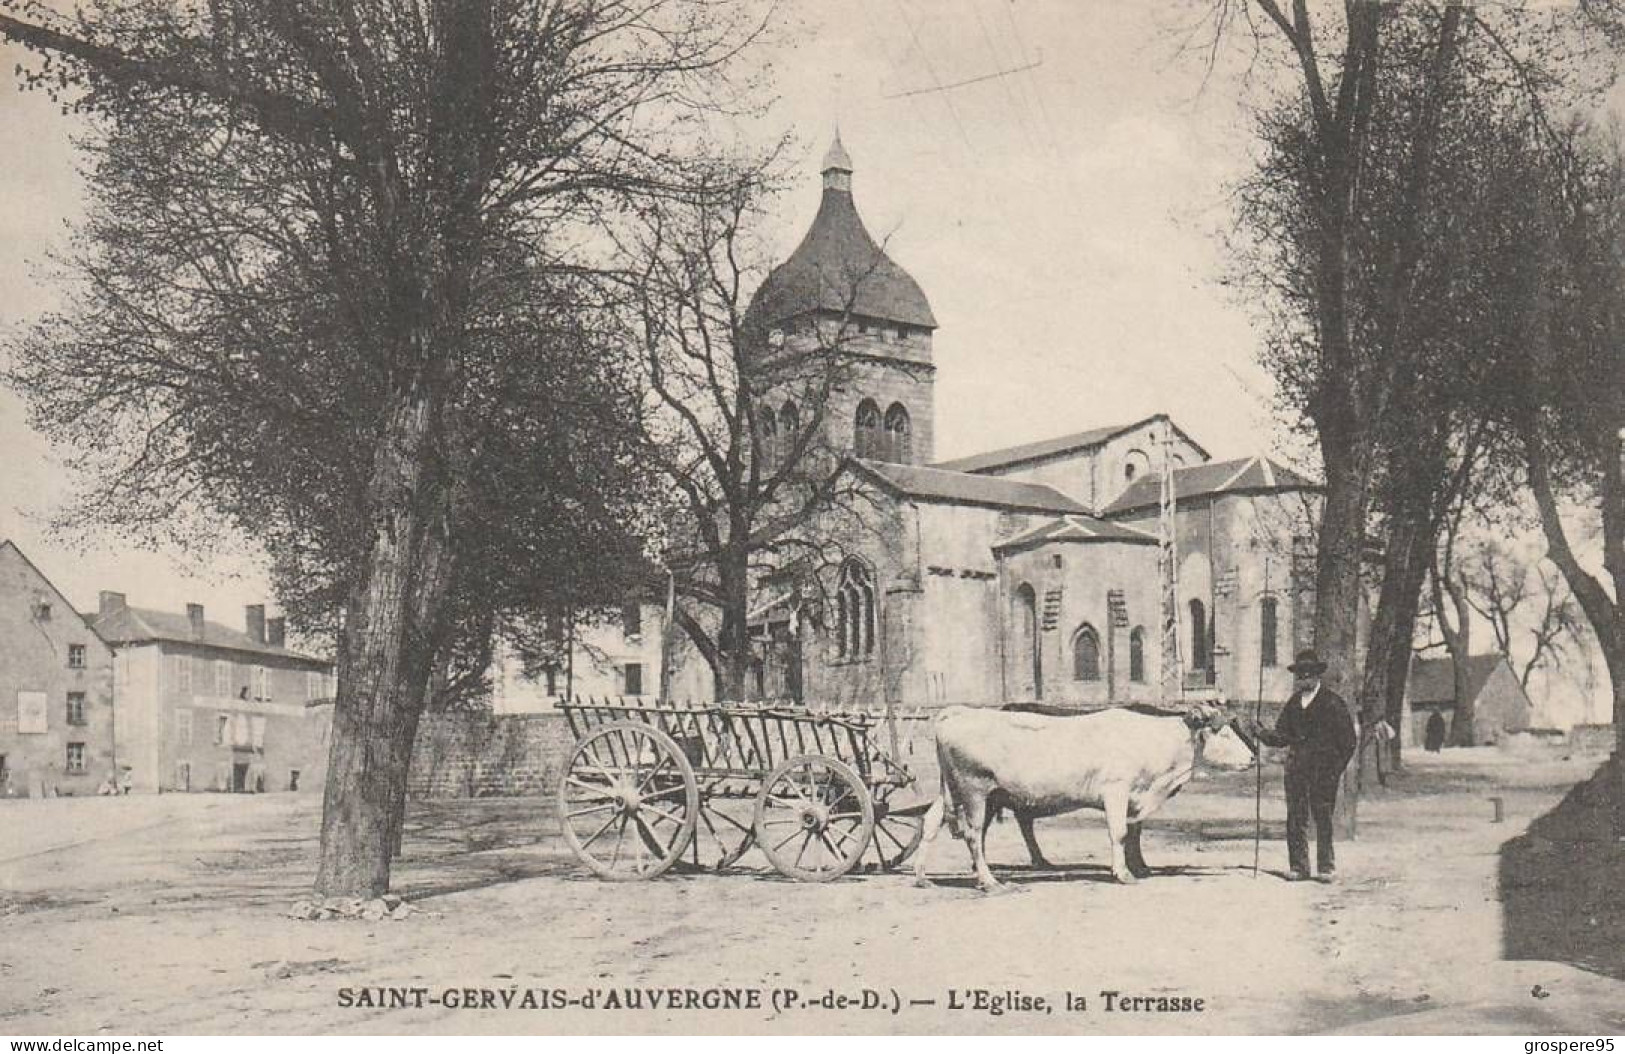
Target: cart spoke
(845, 836)
(596, 834)
(803, 851)
(788, 839)
(590, 809)
(647, 836)
(668, 792)
(824, 837)
(885, 829)
(601, 791)
(662, 763)
(663, 814)
(620, 838)
(633, 751)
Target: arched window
(1267, 632)
(1199, 636)
(1136, 655)
(899, 439)
(866, 440)
(1086, 655)
(789, 428)
(767, 423)
(854, 612)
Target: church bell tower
(840, 289)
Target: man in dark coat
(1319, 735)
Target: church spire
(837, 166)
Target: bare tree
(373, 209)
(1527, 605)
(737, 421)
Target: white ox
(1126, 762)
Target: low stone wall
(1591, 739)
(482, 755)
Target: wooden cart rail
(814, 787)
(748, 740)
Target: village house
(203, 707)
(56, 690)
(1500, 704)
(617, 652)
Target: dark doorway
(239, 778)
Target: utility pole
(1173, 672)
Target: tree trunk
(1338, 585)
(1393, 626)
(1458, 642)
(733, 639)
(1615, 656)
(386, 660)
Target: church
(1032, 573)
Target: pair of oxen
(1037, 761)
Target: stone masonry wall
(1591, 739)
(482, 755)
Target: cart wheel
(814, 818)
(627, 801)
(898, 832)
(723, 833)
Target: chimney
(276, 632)
(256, 622)
(194, 615)
(109, 603)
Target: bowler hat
(1307, 662)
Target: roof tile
(1007, 457)
(132, 625)
(1239, 476)
(964, 488)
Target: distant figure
(127, 781)
(109, 785)
(1433, 739)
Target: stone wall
(1591, 739)
(483, 755)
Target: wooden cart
(814, 790)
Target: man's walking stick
(1258, 749)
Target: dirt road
(165, 915)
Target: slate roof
(1433, 681)
(1076, 528)
(132, 625)
(963, 488)
(839, 267)
(1256, 475)
(1009, 457)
